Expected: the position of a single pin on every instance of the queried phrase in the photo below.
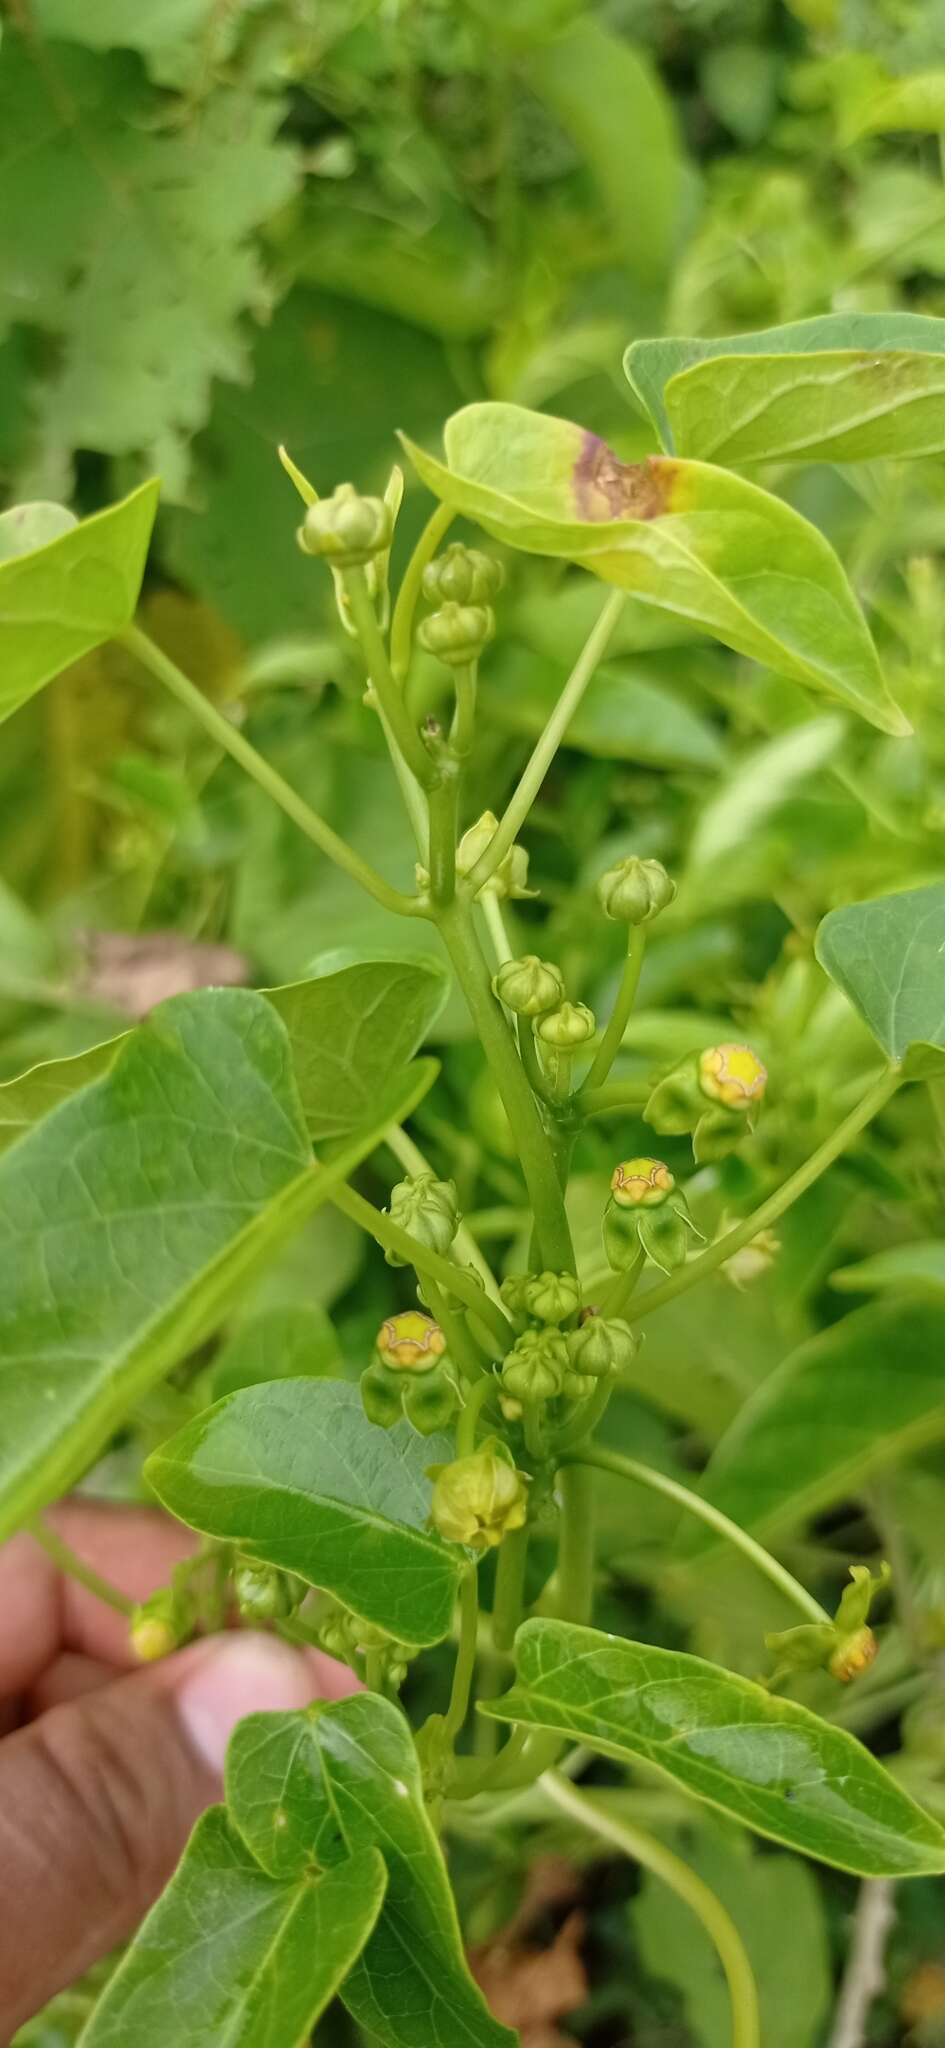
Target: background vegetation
(230, 223)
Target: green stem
(374, 1670)
(464, 1243)
(464, 717)
(66, 1560)
(659, 1482)
(401, 630)
(443, 801)
(459, 1343)
(531, 1059)
(452, 1278)
(465, 1664)
(389, 695)
(551, 1223)
(654, 1856)
(585, 1419)
(466, 1427)
(797, 1184)
(615, 1097)
(233, 743)
(509, 1588)
(576, 1551)
(620, 1015)
(623, 1286)
(495, 926)
(547, 745)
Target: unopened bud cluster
(715, 1094)
(461, 584)
(410, 1375)
(264, 1594)
(561, 1349)
(344, 1635)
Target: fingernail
(244, 1674)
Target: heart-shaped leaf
(686, 537)
(864, 1394)
(231, 1957)
(847, 387)
(125, 1230)
(888, 956)
(297, 1475)
(66, 597)
(352, 1030)
(760, 1759)
(340, 1780)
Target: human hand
(104, 1765)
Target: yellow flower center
(411, 1340)
(732, 1074)
(641, 1181)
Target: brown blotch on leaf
(530, 1983)
(606, 488)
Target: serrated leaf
(761, 1759)
(813, 382)
(232, 1958)
(888, 957)
(864, 1394)
(125, 1231)
(64, 598)
(297, 1475)
(688, 538)
(340, 1780)
(353, 1030)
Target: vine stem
(240, 749)
(66, 1560)
(797, 1184)
(576, 1546)
(614, 1098)
(415, 1161)
(465, 1664)
(659, 1482)
(620, 1015)
(389, 695)
(451, 1278)
(456, 928)
(473, 1405)
(509, 1588)
(546, 747)
(654, 1856)
(401, 629)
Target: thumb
(97, 1799)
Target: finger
(41, 1612)
(97, 1799)
(68, 1677)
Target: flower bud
(552, 1297)
(382, 1395)
(477, 1500)
(510, 878)
(457, 633)
(410, 1342)
(430, 1403)
(602, 1347)
(263, 1594)
(633, 891)
(570, 1025)
(845, 1646)
(732, 1075)
(535, 1367)
(427, 1208)
(514, 1294)
(529, 986)
(641, 1183)
(853, 1655)
(462, 576)
(346, 529)
(158, 1625)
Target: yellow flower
(641, 1183)
(733, 1075)
(410, 1342)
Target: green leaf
(125, 1231)
(284, 1343)
(888, 957)
(232, 1958)
(26, 527)
(864, 1394)
(68, 596)
(763, 1760)
(298, 1476)
(627, 712)
(763, 779)
(32, 1095)
(610, 99)
(341, 1780)
(916, 103)
(905, 1268)
(353, 1031)
(688, 538)
(812, 389)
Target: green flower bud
(427, 1208)
(158, 1625)
(431, 1403)
(346, 529)
(382, 1395)
(510, 878)
(552, 1297)
(457, 633)
(845, 1646)
(634, 891)
(529, 986)
(263, 1594)
(410, 1342)
(479, 1499)
(602, 1346)
(641, 1183)
(570, 1025)
(535, 1367)
(514, 1294)
(462, 575)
